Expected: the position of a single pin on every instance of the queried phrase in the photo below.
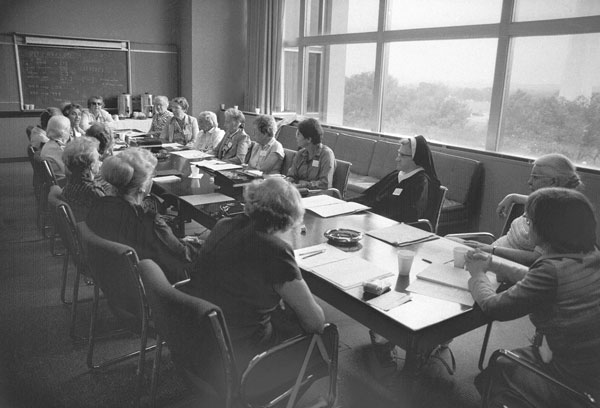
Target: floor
(42, 367)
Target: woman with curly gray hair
(246, 268)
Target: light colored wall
(213, 53)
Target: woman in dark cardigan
(407, 193)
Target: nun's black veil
(423, 157)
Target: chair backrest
(288, 158)
(340, 176)
(515, 211)
(67, 229)
(436, 208)
(49, 175)
(196, 335)
(114, 267)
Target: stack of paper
(217, 165)
(402, 235)
(200, 199)
(327, 206)
(192, 154)
(446, 282)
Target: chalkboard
(52, 75)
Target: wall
(210, 37)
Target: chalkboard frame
(67, 43)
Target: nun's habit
(407, 197)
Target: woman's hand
(504, 205)
(477, 262)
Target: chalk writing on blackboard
(52, 75)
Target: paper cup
(194, 170)
(257, 110)
(405, 260)
(459, 256)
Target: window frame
(504, 31)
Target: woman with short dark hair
(314, 164)
(246, 268)
(181, 128)
(73, 112)
(561, 294)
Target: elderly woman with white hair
(234, 145)
(210, 135)
(181, 128)
(246, 268)
(551, 170)
(161, 116)
(266, 153)
(95, 112)
(122, 218)
(58, 131)
(82, 159)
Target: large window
(514, 76)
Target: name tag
(229, 145)
(263, 153)
(315, 163)
(397, 191)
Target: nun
(407, 193)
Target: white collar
(404, 176)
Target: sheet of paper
(217, 165)
(443, 292)
(350, 272)
(389, 300)
(400, 234)
(200, 199)
(172, 145)
(192, 154)
(306, 260)
(447, 274)
(332, 210)
(166, 179)
(319, 200)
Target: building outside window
(512, 76)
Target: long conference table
(417, 326)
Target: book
(444, 281)
(326, 206)
(402, 235)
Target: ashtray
(342, 236)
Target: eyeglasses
(405, 155)
(527, 220)
(539, 176)
(95, 103)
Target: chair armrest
(583, 397)
(332, 191)
(483, 237)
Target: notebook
(326, 206)
(402, 235)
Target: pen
(309, 254)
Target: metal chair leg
(63, 286)
(75, 300)
(486, 339)
(155, 372)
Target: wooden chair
(577, 397)
(340, 176)
(516, 210)
(114, 267)
(196, 333)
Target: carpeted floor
(40, 366)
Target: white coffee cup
(194, 170)
(257, 110)
(405, 260)
(459, 256)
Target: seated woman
(83, 162)
(314, 164)
(210, 135)
(38, 137)
(104, 135)
(250, 285)
(551, 170)
(234, 145)
(73, 112)
(122, 219)
(161, 116)
(181, 128)
(266, 153)
(561, 294)
(58, 131)
(407, 193)
(95, 113)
